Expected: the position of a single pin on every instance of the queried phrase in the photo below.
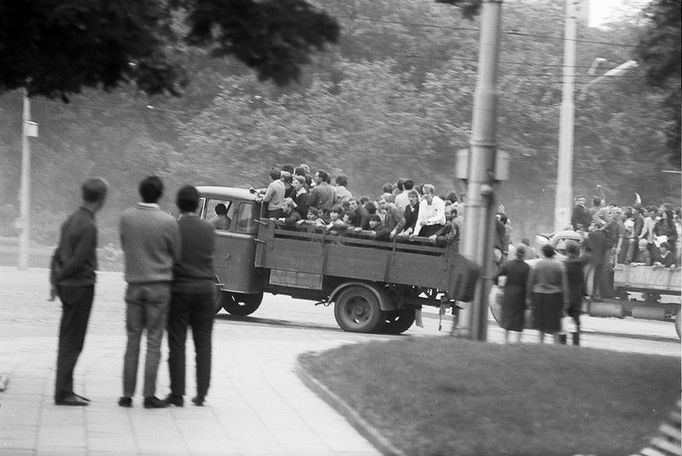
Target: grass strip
(446, 396)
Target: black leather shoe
(154, 402)
(198, 400)
(174, 399)
(82, 398)
(71, 400)
(125, 402)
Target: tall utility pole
(28, 128)
(480, 212)
(564, 186)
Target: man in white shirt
(402, 199)
(431, 213)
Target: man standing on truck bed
(274, 195)
(322, 195)
(150, 240)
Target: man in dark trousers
(192, 299)
(151, 244)
(72, 278)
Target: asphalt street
(256, 405)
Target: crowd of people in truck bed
(404, 212)
(635, 234)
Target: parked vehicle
(375, 286)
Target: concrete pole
(564, 187)
(25, 189)
(480, 204)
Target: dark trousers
(76, 307)
(197, 311)
(428, 230)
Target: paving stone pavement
(256, 406)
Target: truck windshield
(247, 214)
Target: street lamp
(617, 71)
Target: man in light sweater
(150, 240)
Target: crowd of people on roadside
(638, 234)
(404, 212)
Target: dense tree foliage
(392, 99)
(660, 52)
(58, 48)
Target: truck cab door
(235, 246)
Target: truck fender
(385, 301)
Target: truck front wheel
(357, 309)
(240, 304)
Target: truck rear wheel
(240, 304)
(399, 321)
(678, 323)
(357, 309)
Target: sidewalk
(257, 406)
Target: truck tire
(240, 304)
(678, 324)
(357, 309)
(399, 321)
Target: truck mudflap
(385, 302)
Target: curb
(365, 429)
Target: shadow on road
(276, 322)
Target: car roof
(568, 234)
(226, 192)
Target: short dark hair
(94, 189)
(374, 218)
(187, 199)
(299, 171)
(289, 168)
(548, 250)
(408, 184)
(275, 173)
(220, 209)
(323, 175)
(342, 180)
(400, 184)
(151, 189)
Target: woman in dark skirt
(548, 293)
(514, 297)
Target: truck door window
(220, 213)
(246, 218)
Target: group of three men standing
(169, 272)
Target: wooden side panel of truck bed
(355, 258)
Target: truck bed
(301, 258)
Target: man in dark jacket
(72, 278)
(192, 299)
(580, 218)
(595, 248)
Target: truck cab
(238, 281)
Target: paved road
(257, 405)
